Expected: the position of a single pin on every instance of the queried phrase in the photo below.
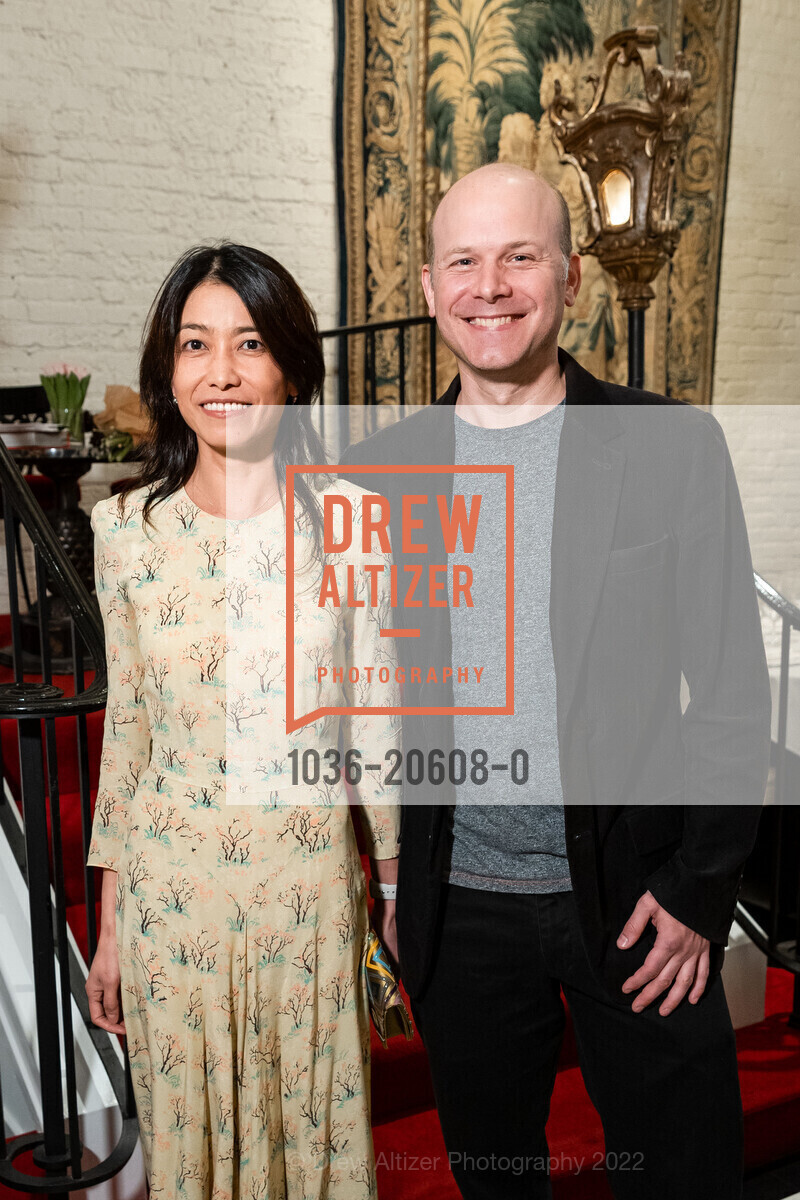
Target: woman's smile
(224, 408)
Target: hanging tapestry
(430, 89)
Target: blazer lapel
(588, 486)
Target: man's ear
(427, 287)
(573, 285)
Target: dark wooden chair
(28, 404)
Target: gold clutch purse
(386, 1006)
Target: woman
(233, 908)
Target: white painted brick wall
(764, 441)
(132, 131)
(757, 355)
(757, 351)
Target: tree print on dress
(241, 911)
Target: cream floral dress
(241, 912)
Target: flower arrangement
(65, 386)
(115, 446)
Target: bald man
(595, 847)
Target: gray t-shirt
(508, 832)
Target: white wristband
(382, 891)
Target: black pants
(666, 1088)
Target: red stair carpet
(412, 1162)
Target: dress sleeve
(126, 735)
(374, 735)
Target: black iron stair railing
(358, 345)
(781, 953)
(345, 333)
(57, 974)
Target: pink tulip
(64, 368)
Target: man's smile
(494, 322)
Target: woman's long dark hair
(288, 327)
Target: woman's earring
(175, 398)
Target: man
(611, 867)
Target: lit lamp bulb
(616, 195)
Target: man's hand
(679, 959)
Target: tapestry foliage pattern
(431, 89)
